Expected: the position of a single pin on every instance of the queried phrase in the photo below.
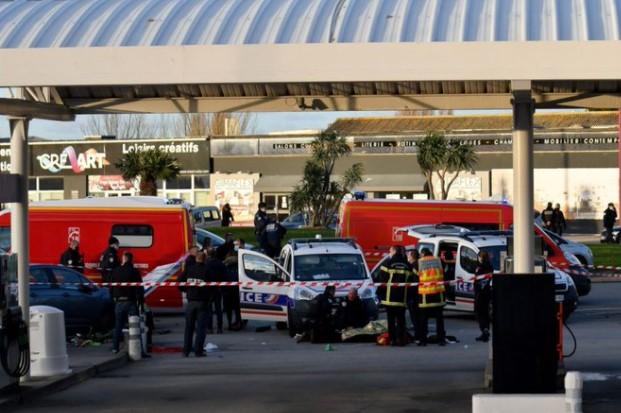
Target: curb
(25, 395)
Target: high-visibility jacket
(396, 270)
(430, 271)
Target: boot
(484, 337)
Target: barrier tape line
(262, 283)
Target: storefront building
(576, 159)
(76, 169)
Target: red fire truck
(158, 234)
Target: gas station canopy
(145, 56)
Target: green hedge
(247, 233)
(607, 254)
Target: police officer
(230, 295)
(560, 224)
(413, 256)
(72, 257)
(260, 221)
(109, 259)
(271, 238)
(215, 272)
(547, 215)
(126, 299)
(190, 260)
(431, 296)
(483, 294)
(395, 270)
(196, 310)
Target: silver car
(581, 251)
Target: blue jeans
(122, 311)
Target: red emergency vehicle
(157, 233)
(374, 224)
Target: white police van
(301, 260)
(464, 246)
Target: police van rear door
(263, 292)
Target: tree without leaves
(121, 126)
(149, 166)
(446, 158)
(317, 194)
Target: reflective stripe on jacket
(430, 271)
(396, 271)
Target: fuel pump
(14, 347)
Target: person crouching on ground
(352, 312)
(395, 270)
(196, 310)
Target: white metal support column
(523, 187)
(19, 211)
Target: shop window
(51, 184)
(181, 182)
(201, 181)
(32, 184)
(270, 201)
(135, 236)
(201, 198)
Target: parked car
(301, 220)
(580, 251)
(616, 235)
(206, 217)
(86, 306)
(216, 240)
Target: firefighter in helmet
(431, 299)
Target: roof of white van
(116, 202)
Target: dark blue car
(86, 306)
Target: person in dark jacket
(610, 217)
(215, 272)
(322, 327)
(260, 221)
(72, 257)
(126, 299)
(196, 309)
(560, 225)
(395, 270)
(227, 215)
(109, 259)
(352, 311)
(547, 215)
(271, 238)
(190, 260)
(230, 295)
(413, 257)
(483, 294)
(229, 245)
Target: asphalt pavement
(269, 372)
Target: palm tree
(317, 194)
(447, 159)
(149, 166)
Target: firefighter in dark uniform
(271, 238)
(126, 299)
(72, 257)
(109, 260)
(260, 221)
(395, 270)
(196, 310)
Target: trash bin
(48, 347)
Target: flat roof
(153, 56)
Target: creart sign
(69, 159)
(99, 157)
